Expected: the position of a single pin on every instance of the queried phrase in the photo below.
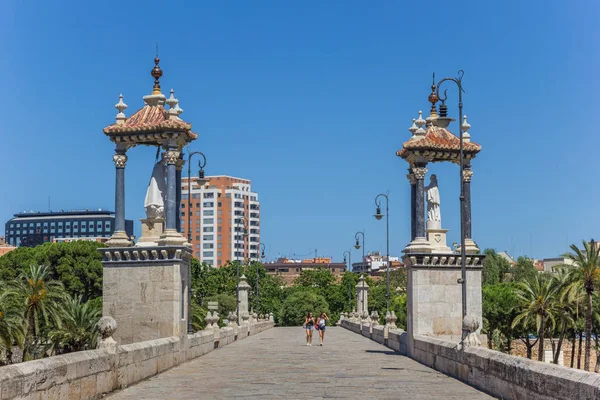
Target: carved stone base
(171, 237)
(470, 247)
(419, 245)
(437, 239)
(152, 229)
(119, 239)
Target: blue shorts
(308, 327)
(322, 328)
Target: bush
(299, 303)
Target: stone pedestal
(243, 288)
(418, 245)
(362, 296)
(437, 239)
(434, 296)
(470, 247)
(145, 289)
(152, 229)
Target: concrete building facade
(34, 228)
(225, 219)
(375, 262)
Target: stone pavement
(276, 364)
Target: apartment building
(223, 215)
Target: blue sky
(310, 100)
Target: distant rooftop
(35, 214)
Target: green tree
(77, 330)
(42, 299)
(537, 298)
(227, 303)
(499, 306)
(320, 278)
(495, 268)
(12, 326)
(78, 265)
(299, 303)
(586, 275)
(523, 270)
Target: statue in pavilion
(154, 203)
(433, 201)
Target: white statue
(154, 203)
(433, 200)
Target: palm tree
(42, 298)
(537, 298)
(586, 275)
(78, 328)
(12, 327)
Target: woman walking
(309, 323)
(321, 326)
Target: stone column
(413, 213)
(171, 236)
(362, 295)
(180, 164)
(419, 243)
(470, 245)
(119, 237)
(419, 173)
(243, 288)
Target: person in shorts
(320, 326)
(309, 323)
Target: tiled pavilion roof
(439, 144)
(151, 118)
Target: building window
(209, 237)
(210, 195)
(219, 245)
(209, 262)
(208, 229)
(208, 213)
(208, 254)
(208, 246)
(208, 204)
(239, 204)
(183, 213)
(219, 254)
(220, 204)
(208, 221)
(197, 237)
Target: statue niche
(154, 204)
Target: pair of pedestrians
(319, 325)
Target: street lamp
(357, 244)
(378, 215)
(443, 120)
(262, 255)
(237, 270)
(201, 182)
(349, 284)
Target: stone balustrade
(499, 374)
(89, 374)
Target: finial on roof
(173, 103)
(413, 128)
(156, 73)
(466, 126)
(420, 122)
(433, 98)
(121, 106)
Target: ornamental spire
(433, 98)
(466, 126)
(156, 74)
(121, 106)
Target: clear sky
(310, 100)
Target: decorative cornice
(467, 175)
(144, 254)
(419, 172)
(171, 156)
(443, 260)
(120, 160)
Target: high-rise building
(33, 228)
(225, 219)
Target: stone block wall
(499, 374)
(89, 374)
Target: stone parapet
(90, 374)
(501, 375)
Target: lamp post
(349, 284)
(357, 244)
(378, 215)
(201, 165)
(201, 181)
(237, 270)
(443, 118)
(262, 256)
